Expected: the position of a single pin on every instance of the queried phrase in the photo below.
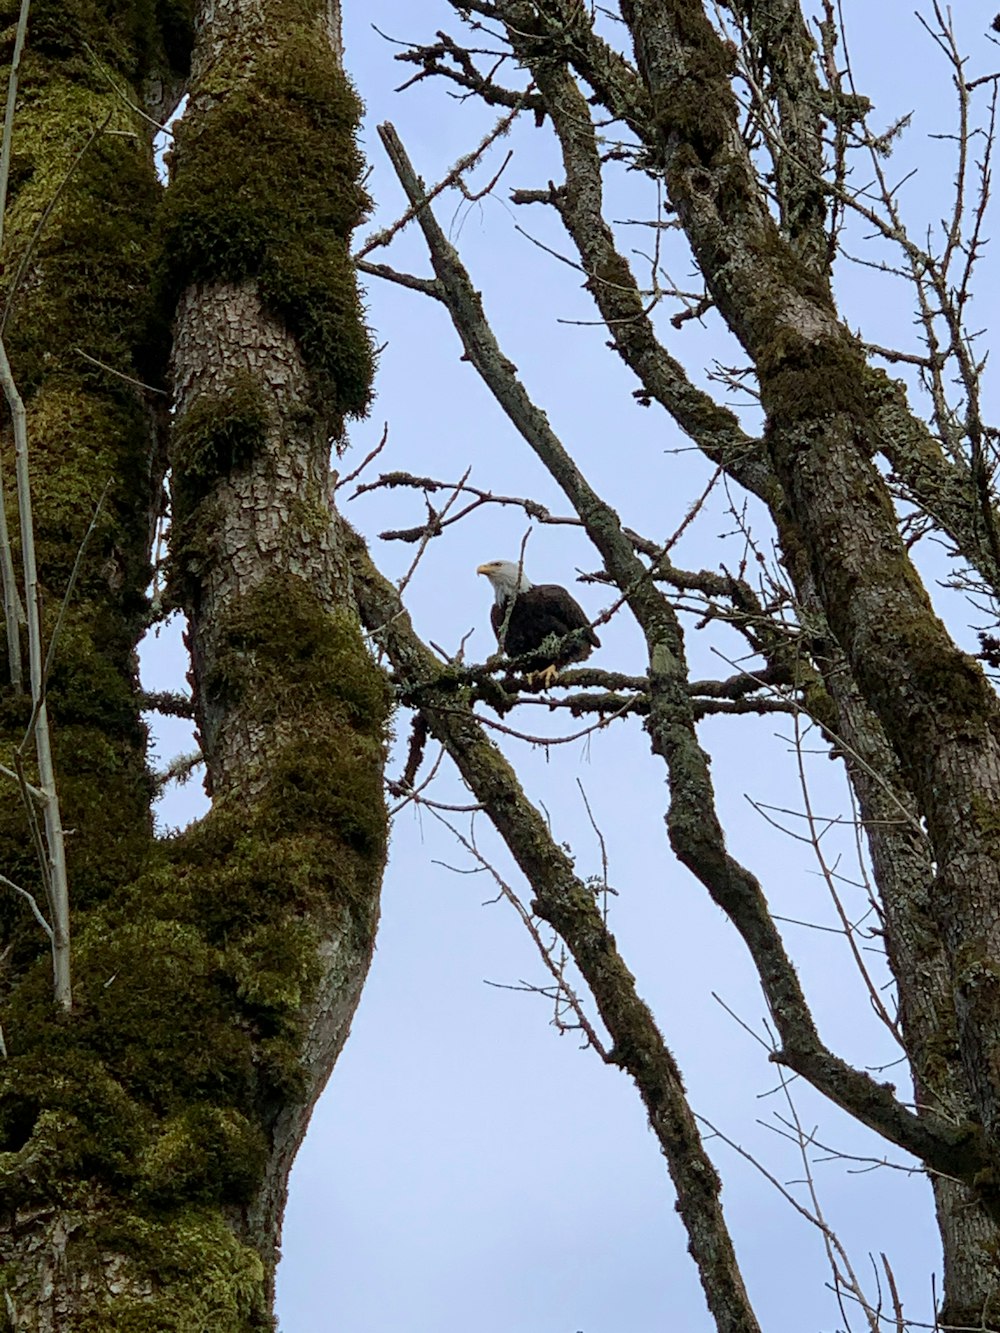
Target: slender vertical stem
(8, 121)
(12, 610)
(43, 749)
(13, 613)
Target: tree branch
(568, 905)
(695, 832)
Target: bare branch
(36, 911)
(693, 825)
(464, 163)
(54, 858)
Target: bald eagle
(539, 611)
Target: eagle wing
(546, 609)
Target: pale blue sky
(468, 1168)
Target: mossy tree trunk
(146, 1137)
(271, 353)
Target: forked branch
(692, 820)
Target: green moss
(201, 1279)
(194, 542)
(302, 796)
(235, 208)
(218, 434)
(281, 639)
(228, 880)
(681, 108)
(89, 460)
(98, 294)
(275, 969)
(189, 989)
(155, 1006)
(185, 1043)
(956, 697)
(80, 1127)
(205, 1154)
(695, 103)
(805, 379)
(320, 824)
(820, 707)
(132, 37)
(87, 289)
(181, 1048)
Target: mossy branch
(563, 900)
(693, 824)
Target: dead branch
(429, 485)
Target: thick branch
(787, 50)
(943, 488)
(612, 284)
(695, 832)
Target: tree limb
(692, 822)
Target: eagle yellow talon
(545, 679)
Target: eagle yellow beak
(484, 569)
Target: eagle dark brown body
(538, 611)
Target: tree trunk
(146, 1138)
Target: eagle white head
(504, 576)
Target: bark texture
(270, 354)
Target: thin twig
(53, 642)
(161, 129)
(32, 903)
(849, 930)
(35, 793)
(13, 610)
(120, 374)
(8, 120)
(432, 530)
(380, 238)
(373, 454)
(563, 989)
